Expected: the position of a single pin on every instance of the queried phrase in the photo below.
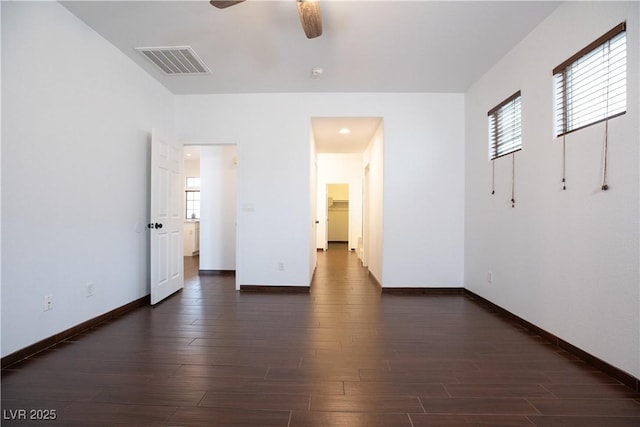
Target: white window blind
(505, 129)
(591, 86)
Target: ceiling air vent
(177, 60)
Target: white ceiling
(191, 152)
(367, 46)
(326, 133)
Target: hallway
(342, 355)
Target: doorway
(339, 199)
(348, 152)
(338, 213)
(210, 208)
(191, 203)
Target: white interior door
(166, 219)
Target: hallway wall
(374, 205)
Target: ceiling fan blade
(224, 4)
(309, 11)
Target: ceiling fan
(308, 10)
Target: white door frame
(238, 204)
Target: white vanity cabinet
(191, 238)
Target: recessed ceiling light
(345, 131)
(188, 154)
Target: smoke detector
(316, 72)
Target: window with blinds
(591, 86)
(505, 130)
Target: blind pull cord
(493, 177)
(564, 162)
(606, 54)
(605, 186)
(513, 180)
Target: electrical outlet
(90, 289)
(281, 266)
(48, 302)
(489, 276)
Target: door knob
(157, 225)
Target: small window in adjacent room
(193, 204)
(193, 182)
(591, 86)
(505, 130)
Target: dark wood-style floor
(343, 355)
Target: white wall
(423, 193)
(567, 261)
(1, 136)
(346, 169)
(218, 207)
(75, 147)
(192, 168)
(423, 179)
